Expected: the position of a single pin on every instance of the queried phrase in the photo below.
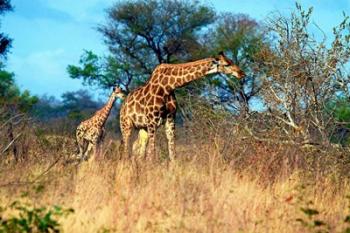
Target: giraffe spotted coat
(90, 132)
(147, 107)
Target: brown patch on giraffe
(172, 80)
(164, 81)
(150, 100)
(203, 68)
(177, 83)
(189, 78)
(138, 107)
(155, 76)
(155, 115)
(142, 101)
(154, 86)
(158, 80)
(131, 99)
(133, 116)
(165, 71)
(148, 96)
(158, 101)
(171, 106)
(175, 71)
(160, 91)
(155, 82)
(146, 90)
(179, 71)
(168, 71)
(139, 119)
(168, 88)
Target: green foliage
(140, 35)
(144, 33)
(347, 219)
(342, 111)
(311, 217)
(339, 109)
(5, 41)
(73, 107)
(5, 5)
(29, 219)
(8, 89)
(11, 96)
(78, 104)
(97, 71)
(241, 38)
(89, 69)
(164, 31)
(302, 74)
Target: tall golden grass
(262, 188)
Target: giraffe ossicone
(90, 132)
(148, 106)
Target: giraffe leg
(140, 144)
(91, 147)
(151, 149)
(98, 143)
(81, 144)
(80, 148)
(98, 152)
(126, 130)
(170, 134)
(170, 124)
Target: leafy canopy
(140, 35)
(11, 96)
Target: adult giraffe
(146, 107)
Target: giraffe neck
(173, 76)
(103, 114)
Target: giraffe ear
(221, 53)
(118, 89)
(219, 56)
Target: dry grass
(200, 192)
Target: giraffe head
(117, 92)
(226, 66)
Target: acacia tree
(241, 38)
(5, 41)
(142, 34)
(14, 105)
(303, 75)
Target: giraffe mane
(187, 63)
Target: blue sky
(51, 34)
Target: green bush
(28, 219)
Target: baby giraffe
(90, 132)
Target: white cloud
(44, 72)
(46, 61)
(87, 10)
(44, 47)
